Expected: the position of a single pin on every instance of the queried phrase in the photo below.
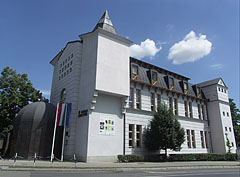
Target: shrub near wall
(177, 157)
(130, 158)
(202, 157)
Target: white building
(113, 97)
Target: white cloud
(190, 49)
(147, 48)
(217, 66)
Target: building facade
(114, 96)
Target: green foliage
(177, 157)
(202, 157)
(164, 131)
(16, 91)
(228, 144)
(235, 113)
(130, 158)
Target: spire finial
(105, 23)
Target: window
(202, 139)
(185, 87)
(71, 55)
(152, 102)
(219, 89)
(171, 83)
(226, 129)
(131, 135)
(158, 99)
(232, 144)
(138, 99)
(71, 62)
(225, 91)
(227, 114)
(199, 111)
(206, 139)
(190, 109)
(154, 78)
(131, 98)
(170, 104)
(188, 139)
(139, 135)
(230, 129)
(203, 112)
(70, 69)
(63, 95)
(198, 92)
(222, 89)
(134, 72)
(193, 139)
(175, 106)
(223, 113)
(186, 108)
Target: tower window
(193, 139)
(152, 102)
(63, 95)
(138, 99)
(175, 106)
(134, 72)
(154, 78)
(190, 109)
(131, 98)
(198, 92)
(139, 135)
(171, 83)
(185, 87)
(131, 136)
(186, 108)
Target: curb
(26, 168)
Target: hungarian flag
(63, 113)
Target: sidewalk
(41, 165)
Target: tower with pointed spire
(114, 96)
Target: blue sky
(198, 39)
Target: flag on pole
(69, 108)
(63, 114)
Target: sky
(198, 39)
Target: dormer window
(171, 83)
(134, 72)
(154, 78)
(198, 92)
(185, 87)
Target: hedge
(177, 157)
(130, 158)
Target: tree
(235, 112)
(164, 131)
(16, 91)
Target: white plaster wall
(222, 95)
(143, 118)
(112, 66)
(227, 122)
(100, 146)
(71, 83)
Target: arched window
(63, 95)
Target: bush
(177, 157)
(130, 158)
(202, 157)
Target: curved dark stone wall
(33, 130)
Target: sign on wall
(107, 126)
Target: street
(198, 172)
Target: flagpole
(54, 133)
(64, 128)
